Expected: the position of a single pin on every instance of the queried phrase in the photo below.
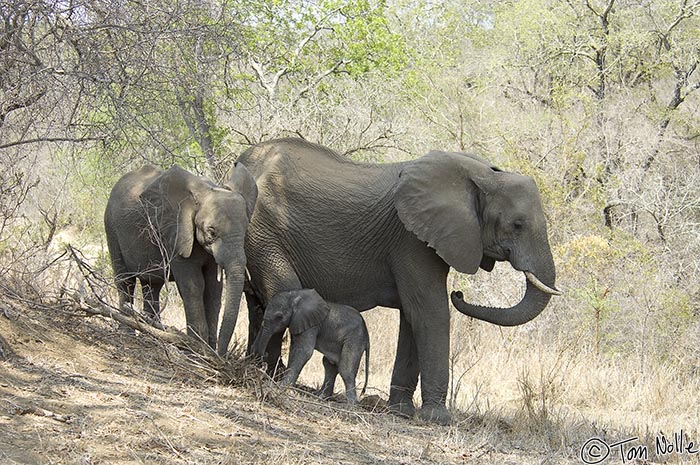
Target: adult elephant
(365, 235)
(175, 226)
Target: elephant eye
(211, 234)
(518, 225)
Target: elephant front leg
(300, 351)
(404, 378)
(190, 285)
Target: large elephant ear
(437, 199)
(170, 199)
(241, 181)
(309, 310)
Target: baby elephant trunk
(261, 341)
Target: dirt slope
(78, 390)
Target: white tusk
(540, 285)
(219, 273)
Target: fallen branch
(40, 412)
(170, 336)
(229, 370)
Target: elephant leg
(126, 288)
(404, 378)
(213, 289)
(421, 283)
(330, 374)
(256, 312)
(350, 357)
(429, 318)
(300, 352)
(190, 285)
(433, 344)
(151, 301)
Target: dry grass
(75, 389)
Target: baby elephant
(337, 331)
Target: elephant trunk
(536, 298)
(235, 276)
(261, 341)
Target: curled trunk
(536, 298)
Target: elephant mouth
(499, 254)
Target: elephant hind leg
(331, 373)
(404, 379)
(126, 286)
(350, 358)
(151, 301)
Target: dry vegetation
(81, 390)
(77, 388)
(597, 100)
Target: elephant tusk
(219, 273)
(540, 285)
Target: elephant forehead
(518, 189)
(223, 201)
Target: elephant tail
(362, 393)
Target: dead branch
(40, 412)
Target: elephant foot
(323, 394)
(437, 414)
(403, 409)
(401, 402)
(351, 397)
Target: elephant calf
(337, 331)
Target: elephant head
(190, 208)
(298, 310)
(474, 214)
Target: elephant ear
(309, 310)
(171, 204)
(241, 181)
(437, 199)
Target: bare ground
(76, 389)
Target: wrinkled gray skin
(369, 235)
(337, 331)
(175, 226)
